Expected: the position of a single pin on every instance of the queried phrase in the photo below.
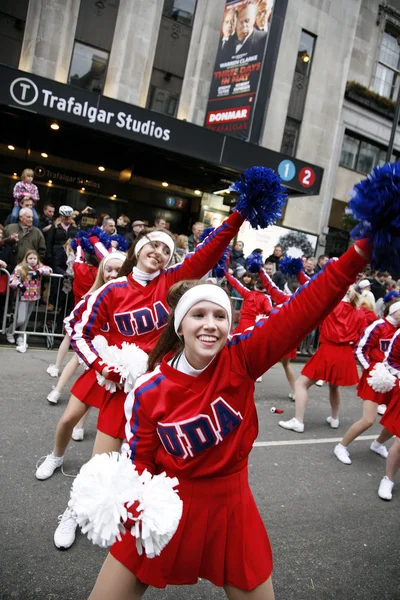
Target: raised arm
(271, 339)
(206, 255)
(276, 294)
(240, 288)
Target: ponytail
(354, 297)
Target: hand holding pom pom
(108, 493)
(261, 196)
(380, 379)
(376, 204)
(290, 266)
(254, 262)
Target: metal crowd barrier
(44, 322)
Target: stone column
(201, 59)
(133, 49)
(49, 38)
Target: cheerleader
(368, 308)
(79, 403)
(333, 362)
(194, 417)
(255, 304)
(370, 351)
(391, 422)
(279, 297)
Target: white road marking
(312, 441)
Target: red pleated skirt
(365, 391)
(87, 390)
(334, 364)
(292, 354)
(111, 418)
(221, 538)
(391, 418)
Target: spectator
(26, 278)
(365, 290)
(25, 190)
(160, 222)
(237, 257)
(194, 238)
(123, 223)
(277, 277)
(24, 203)
(276, 256)
(321, 262)
(108, 225)
(100, 219)
(137, 227)
(309, 266)
(23, 237)
(46, 218)
(182, 246)
(378, 286)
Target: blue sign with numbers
(286, 170)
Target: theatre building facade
(154, 107)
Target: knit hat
(364, 283)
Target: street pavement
(332, 536)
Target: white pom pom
(129, 361)
(380, 379)
(103, 489)
(99, 494)
(160, 511)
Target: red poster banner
(238, 64)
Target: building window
(362, 155)
(305, 53)
(88, 68)
(162, 101)
(386, 81)
(290, 137)
(180, 10)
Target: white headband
(118, 255)
(394, 307)
(156, 236)
(198, 293)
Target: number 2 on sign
(307, 177)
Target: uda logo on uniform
(24, 91)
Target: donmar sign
(238, 65)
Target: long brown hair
(25, 268)
(131, 259)
(169, 341)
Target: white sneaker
(319, 383)
(334, 423)
(22, 348)
(259, 379)
(294, 424)
(20, 340)
(48, 467)
(385, 488)
(54, 396)
(78, 434)
(342, 454)
(64, 535)
(379, 449)
(10, 338)
(382, 409)
(291, 396)
(53, 370)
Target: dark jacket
(237, 258)
(56, 238)
(130, 238)
(279, 279)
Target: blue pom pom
(205, 233)
(261, 196)
(254, 262)
(391, 296)
(218, 271)
(122, 243)
(376, 204)
(290, 266)
(102, 236)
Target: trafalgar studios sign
(67, 103)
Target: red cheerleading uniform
(254, 304)
(84, 276)
(334, 360)
(371, 350)
(137, 314)
(391, 418)
(201, 429)
(370, 315)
